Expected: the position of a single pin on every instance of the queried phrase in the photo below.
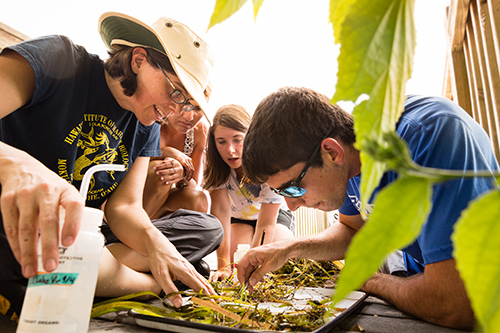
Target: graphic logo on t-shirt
(356, 202)
(99, 144)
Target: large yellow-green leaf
(338, 12)
(377, 40)
(376, 170)
(224, 9)
(256, 7)
(401, 210)
(377, 45)
(477, 252)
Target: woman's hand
(167, 265)
(187, 164)
(222, 274)
(170, 171)
(31, 199)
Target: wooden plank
(384, 324)
(10, 36)
(494, 16)
(489, 39)
(462, 91)
(458, 12)
(477, 62)
(448, 85)
(487, 109)
(470, 76)
(457, 16)
(376, 315)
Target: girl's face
(183, 121)
(229, 143)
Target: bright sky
(290, 43)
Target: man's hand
(260, 260)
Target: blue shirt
(442, 135)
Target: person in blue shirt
(303, 147)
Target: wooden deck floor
(374, 315)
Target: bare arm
(266, 222)
(32, 195)
(437, 296)
(221, 209)
(131, 224)
(329, 244)
(17, 82)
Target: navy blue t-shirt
(73, 122)
(442, 135)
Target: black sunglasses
(294, 190)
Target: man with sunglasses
(303, 147)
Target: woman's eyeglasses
(294, 190)
(177, 96)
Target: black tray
(352, 301)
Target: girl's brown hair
(231, 116)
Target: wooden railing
(9, 36)
(309, 221)
(472, 78)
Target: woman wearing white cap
(62, 110)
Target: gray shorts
(285, 218)
(194, 234)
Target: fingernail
(68, 241)
(50, 265)
(252, 281)
(29, 271)
(177, 303)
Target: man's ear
(334, 150)
(139, 57)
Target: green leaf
(401, 210)
(225, 9)
(123, 303)
(338, 12)
(376, 56)
(377, 46)
(376, 170)
(256, 7)
(477, 252)
(143, 308)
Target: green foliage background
(377, 45)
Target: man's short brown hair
(287, 126)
